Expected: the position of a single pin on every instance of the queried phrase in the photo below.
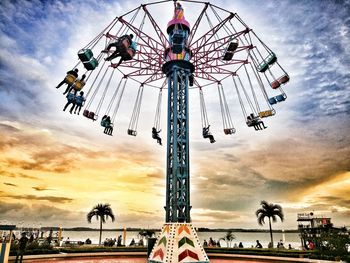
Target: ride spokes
(225, 112)
(156, 129)
(221, 47)
(204, 118)
(132, 130)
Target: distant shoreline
(200, 229)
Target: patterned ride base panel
(178, 243)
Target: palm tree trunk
(271, 232)
(99, 241)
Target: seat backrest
(275, 84)
(85, 54)
(283, 79)
(70, 79)
(91, 115)
(272, 100)
(79, 84)
(232, 46)
(86, 113)
(266, 113)
(280, 97)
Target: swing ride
(220, 50)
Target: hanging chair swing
(132, 130)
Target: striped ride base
(178, 243)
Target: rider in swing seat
(71, 76)
(70, 100)
(123, 43)
(79, 102)
(73, 86)
(106, 122)
(206, 134)
(256, 122)
(155, 135)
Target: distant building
(311, 228)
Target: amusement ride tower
(218, 49)
(178, 241)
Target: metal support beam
(178, 166)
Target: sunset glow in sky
(54, 166)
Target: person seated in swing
(109, 128)
(155, 135)
(131, 51)
(71, 76)
(207, 134)
(256, 122)
(76, 86)
(79, 102)
(122, 44)
(70, 100)
(106, 122)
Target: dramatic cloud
(41, 188)
(37, 213)
(300, 161)
(53, 199)
(10, 184)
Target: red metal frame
(207, 52)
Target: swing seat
(267, 113)
(86, 113)
(104, 123)
(79, 102)
(249, 123)
(91, 65)
(263, 66)
(85, 55)
(132, 132)
(275, 84)
(78, 85)
(69, 79)
(70, 97)
(229, 131)
(272, 58)
(284, 79)
(123, 44)
(129, 54)
(229, 52)
(227, 56)
(272, 101)
(280, 97)
(269, 60)
(92, 116)
(232, 46)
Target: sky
(54, 166)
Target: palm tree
(270, 211)
(102, 212)
(228, 238)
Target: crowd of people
(212, 243)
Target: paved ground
(128, 260)
(140, 257)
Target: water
(248, 239)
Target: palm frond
(269, 210)
(102, 211)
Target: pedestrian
(258, 244)
(21, 247)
